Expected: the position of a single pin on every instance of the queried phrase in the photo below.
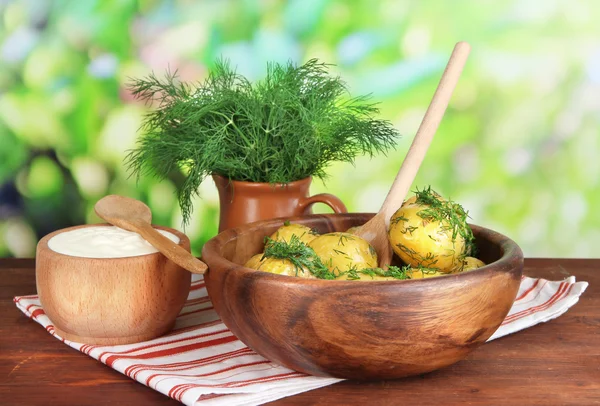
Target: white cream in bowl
(103, 242)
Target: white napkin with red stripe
(202, 363)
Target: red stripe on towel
(562, 290)
(171, 351)
(537, 281)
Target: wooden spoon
(375, 230)
(133, 215)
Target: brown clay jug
(244, 202)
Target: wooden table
(555, 363)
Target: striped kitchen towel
(202, 363)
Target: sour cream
(103, 242)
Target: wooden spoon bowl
(110, 301)
(359, 330)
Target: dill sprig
(451, 214)
(304, 258)
(427, 260)
(354, 273)
(299, 254)
(404, 272)
(392, 271)
(291, 125)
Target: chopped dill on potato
(299, 254)
(304, 258)
(446, 212)
(396, 272)
(426, 261)
(354, 273)
(392, 271)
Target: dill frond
(447, 212)
(301, 255)
(291, 125)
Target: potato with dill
(341, 252)
(285, 232)
(292, 258)
(431, 232)
(277, 266)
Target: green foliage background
(518, 147)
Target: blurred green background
(518, 146)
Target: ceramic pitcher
(244, 202)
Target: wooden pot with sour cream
(109, 288)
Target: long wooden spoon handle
(171, 250)
(429, 125)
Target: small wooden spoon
(133, 215)
(375, 230)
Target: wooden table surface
(555, 363)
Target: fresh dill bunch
(299, 254)
(291, 125)
(446, 212)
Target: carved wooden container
(110, 301)
(359, 330)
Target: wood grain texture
(111, 300)
(246, 202)
(554, 363)
(359, 330)
(172, 251)
(133, 215)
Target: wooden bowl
(110, 301)
(359, 330)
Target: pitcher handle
(327, 198)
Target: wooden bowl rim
(43, 247)
(512, 256)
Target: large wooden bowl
(110, 301)
(359, 330)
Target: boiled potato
(254, 262)
(341, 252)
(276, 266)
(470, 263)
(422, 240)
(285, 232)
